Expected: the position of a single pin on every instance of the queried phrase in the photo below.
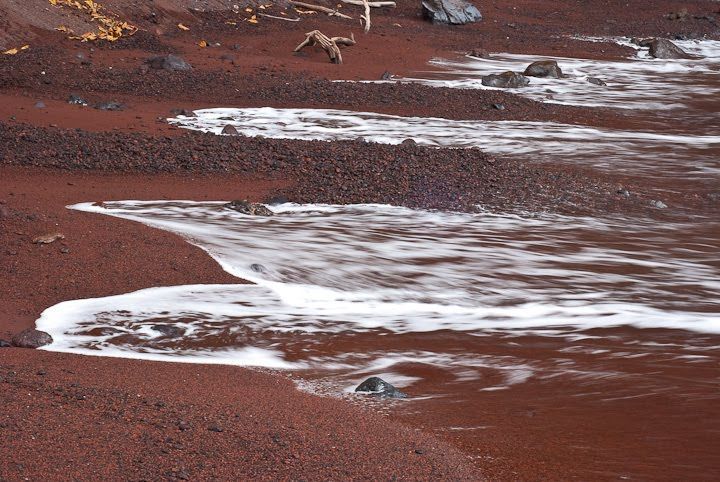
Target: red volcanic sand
(76, 417)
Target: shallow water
(610, 315)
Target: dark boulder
(168, 62)
(455, 12)
(251, 209)
(544, 68)
(661, 48)
(31, 338)
(229, 130)
(505, 80)
(378, 387)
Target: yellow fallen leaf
(253, 19)
(202, 44)
(11, 52)
(248, 10)
(183, 27)
(24, 47)
(63, 28)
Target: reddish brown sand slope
(73, 417)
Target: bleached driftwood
(372, 4)
(366, 16)
(330, 45)
(278, 18)
(318, 8)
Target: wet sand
(153, 420)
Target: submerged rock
(378, 387)
(169, 330)
(596, 81)
(544, 68)
(31, 338)
(168, 62)
(505, 80)
(455, 12)
(76, 100)
(252, 209)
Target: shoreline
(158, 420)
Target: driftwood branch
(318, 8)
(330, 45)
(279, 18)
(372, 4)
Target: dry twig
(318, 8)
(372, 4)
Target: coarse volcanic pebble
(339, 172)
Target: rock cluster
(251, 209)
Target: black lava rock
(168, 62)
(76, 100)
(229, 130)
(505, 80)
(169, 330)
(596, 81)
(378, 387)
(112, 106)
(31, 338)
(544, 68)
(661, 48)
(455, 12)
(251, 209)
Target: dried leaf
(248, 10)
(253, 19)
(11, 52)
(183, 27)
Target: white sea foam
(641, 82)
(605, 148)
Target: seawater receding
(640, 83)
(655, 153)
(346, 291)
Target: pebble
(658, 204)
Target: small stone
(246, 207)
(183, 112)
(215, 428)
(183, 426)
(5, 344)
(596, 81)
(168, 62)
(386, 75)
(229, 130)
(41, 372)
(169, 330)
(409, 142)
(378, 387)
(31, 338)
(76, 100)
(658, 204)
(419, 451)
(111, 106)
(623, 192)
(40, 105)
(65, 250)
(48, 238)
(498, 106)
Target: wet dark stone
(5, 344)
(169, 330)
(215, 428)
(168, 62)
(76, 100)
(455, 12)
(508, 79)
(498, 106)
(409, 142)
(112, 106)
(378, 387)
(40, 105)
(623, 192)
(257, 268)
(31, 338)
(544, 68)
(386, 75)
(229, 130)
(661, 48)
(251, 209)
(596, 81)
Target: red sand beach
(72, 417)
